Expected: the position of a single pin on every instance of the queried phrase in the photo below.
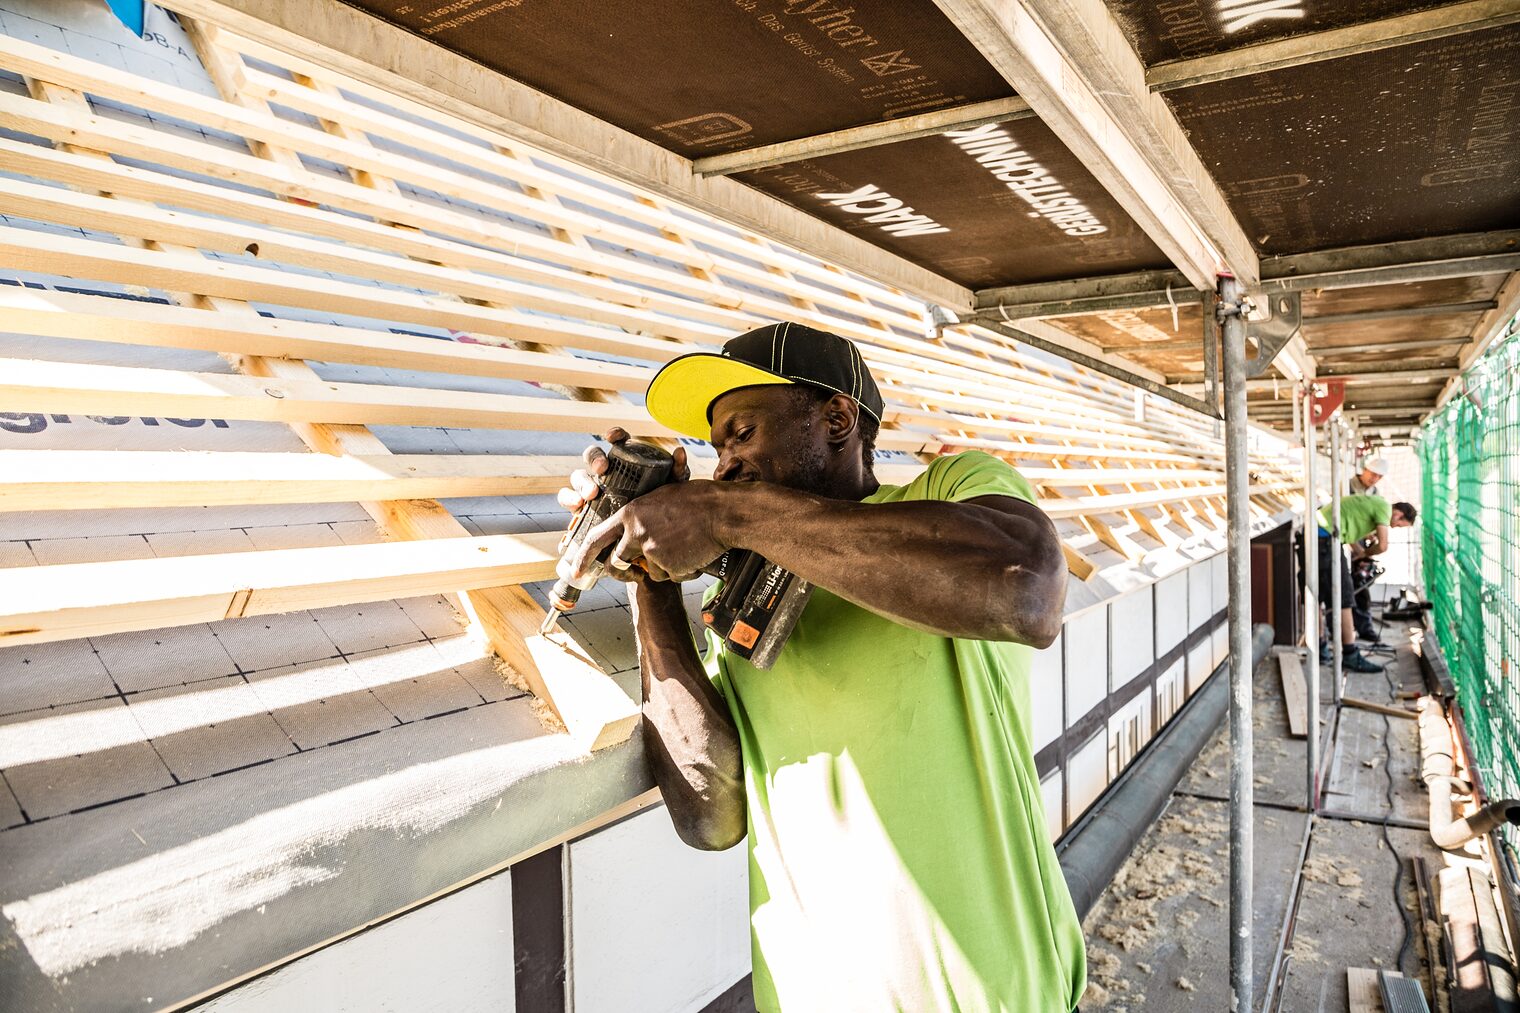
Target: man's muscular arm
(689, 738)
(691, 741)
(990, 568)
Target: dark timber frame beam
(1457, 256)
(1334, 43)
(1407, 311)
(869, 135)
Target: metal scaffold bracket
(1284, 315)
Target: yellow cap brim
(685, 388)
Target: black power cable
(1398, 860)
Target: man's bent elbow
(709, 831)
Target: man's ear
(842, 416)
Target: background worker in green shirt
(882, 767)
(1365, 521)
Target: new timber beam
(120, 479)
(870, 135)
(1071, 62)
(68, 600)
(1334, 43)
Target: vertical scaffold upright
(1337, 647)
(1232, 318)
(1311, 601)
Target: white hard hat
(1377, 466)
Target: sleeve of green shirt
(971, 474)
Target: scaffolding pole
(1232, 318)
(1337, 648)
(1311, 601)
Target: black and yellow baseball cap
(682, 393)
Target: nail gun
(755, 609)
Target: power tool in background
(757, 606)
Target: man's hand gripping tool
(755, 609)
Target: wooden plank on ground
(1295, 693)
(39, 604)
(1362, 992)
(117, 479)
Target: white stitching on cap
(781, 368)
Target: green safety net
(1470, 457)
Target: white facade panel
(1129, 729)
(454, 954)
(1199, 664)
(1200, 594)
(1045, 694)
(655, 926)
(1169, 692)
(1221, 643)
(1086, 650)
(1086, 775)
(1050, 793)
(1171, 611)
(1221, 565)
(1132, 636)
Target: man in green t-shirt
(1365, 520)
(882, 768)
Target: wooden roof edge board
(868, 135)
(1334, 43)
(48, 313)
(69, 600)
(352, 43)
(1072, 63)
(1489, 329)
(122, 479)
